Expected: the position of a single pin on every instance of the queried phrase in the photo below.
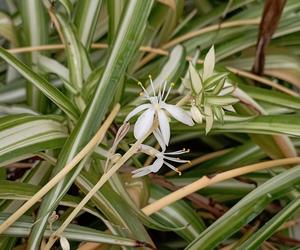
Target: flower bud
(64, 243)
(114, 158)
(196, 114)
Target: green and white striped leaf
(271, 226)
(7, 29)
(22, 228)
(246, 209)
(86, 18)
(126, 43)
(35, 28)
(177, 215)
(278, 124)
(41, 83)
(24, 134)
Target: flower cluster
(211, 92)
(157, 110)
(211, 95)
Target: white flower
(161, 158)
(157, 109)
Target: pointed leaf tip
(209, 63)
(196, 82)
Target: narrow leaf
(125, 44)
(42, 84)
(196, 81)
(209, 63)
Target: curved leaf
(176, 215)
(23, 134)
(271, 226)
(275, 124)
(22, 228)
(125, 44)
(42, 84)
(246, 209)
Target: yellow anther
(177, 171)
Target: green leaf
(86, 17)
(73, 53)
(113, 207)
(7, 29)
(35, 28)
(272, 96)
(246, 209)
(22, 228)
(23, 191)
(125, 44)
(52, 66)
(277, 124)
(214, 80)
(23, 134)
(269, 228)
(176, 215)
(220, 86)
(221, 100)
(68, 6)
(114, 13)
(248, 39)
(42, 84)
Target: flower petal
(158, 135)
(141, 171)
(143, 124)
(148, 150)
(157, 164)
(137, 110)
(164, 126)
(179, 114)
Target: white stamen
(152, 86)
(164, 89)
(178, 152)
(175, 159)
(169, 90)
(172, 167)
(144, 90)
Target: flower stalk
(207, 181)
(104, 178)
